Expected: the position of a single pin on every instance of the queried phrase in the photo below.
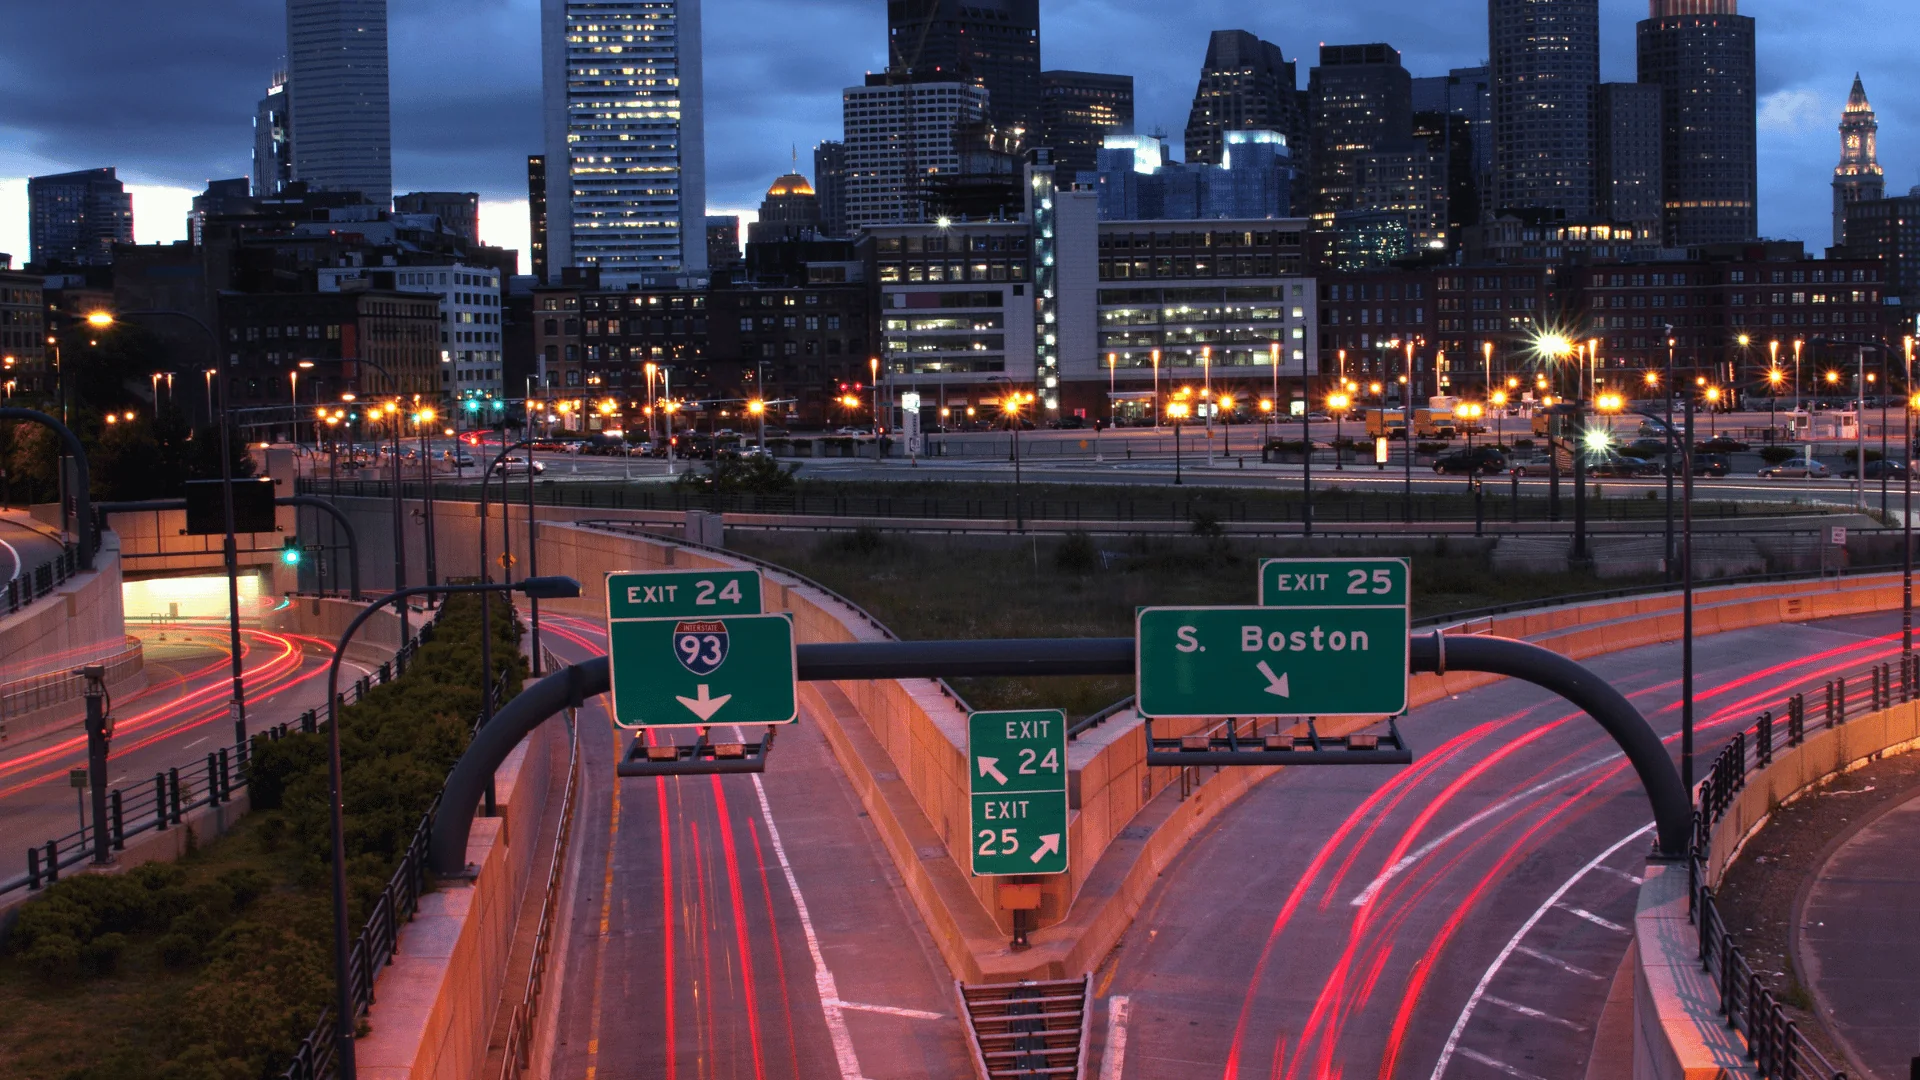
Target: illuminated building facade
(1545, 72)
(626, 149)
(1700, 53)
(900, 140)
(1858, 177)
(1081, 110)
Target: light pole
(1338, 403)
(293, 395)
(1156, 391)
(345, 1014)
(422, 423)
(1177, 412)
(1206, 395)
(873, 365)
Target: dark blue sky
(166, 91)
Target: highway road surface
(24, 544)
(1462, 917)
(744, 927)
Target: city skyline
(466, 101)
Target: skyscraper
(1466, 93)
(830, 183)
(337, 89)
(1245, 85)
(1546, 70)
(1629, 154)
(1080, 109)
(625, 133)
(901, 139)
(1858, 177)
(1361, 101)
(1700, 53)
(992, 43)
(273, 139)
(77, 217)
(537, 214)
(458, 211)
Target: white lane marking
(1373, 887)
(1596, 920)
(1513, 943)
(892, 1010)
(830, 1007)
(1536, 1014)
(17, 564)
(1113, 1059)
(196, 742)
(1519, 1074)
(1572, 969)
(1634, 879)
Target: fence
(519, 1048)
(166, 801)
(1774, 1042)
(373, 949)
(57, 687)
(33, 584)
(1329, 508)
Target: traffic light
(472, 405)
(290, 551)
(499, 406)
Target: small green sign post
(691, 649)
(1265, 661)
(1017, 778)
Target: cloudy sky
(166, 91)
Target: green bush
(231, 945)
(1430, 447)
(1077, 554)
(1774, 455)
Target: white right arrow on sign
(1276, 684)
(1049, 844)
(988, 767)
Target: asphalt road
(1461, 917)
(174, 721)
(24, 544)
(740, 926)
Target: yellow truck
(1427, 424)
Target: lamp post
(344, 1011)
(873, 365)
(230, 549)
(423, 423)
(1338, 403)
(293, 396)
(1176, 412)
(1156, 391)
(1206, 395)
(1406, 436)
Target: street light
(1177, 411)
(548, 588)
(1338, 403)
(758, 410)
(1774, 378)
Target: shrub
(1430, 447)
(54, 957)
(862, 542)
(1077, 554)
(101, 956)
(1774, 455)
(178, 951)
(1207, 523)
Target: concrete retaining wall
(78, 622)
(435, 1001)
(1678, 1029)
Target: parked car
(1797, 469)
(1712, 465)
(1533, 466)
(509, 466)
(1721, 444)
(459, 459)
(1647, 447)
(1612, 463)
(1481, 460)
(1892, 470)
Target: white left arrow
(703, 706)
(1049, 844)
(1276, 684)
(989, 767)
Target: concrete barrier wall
(1678, 1029)
(78, 622)
(434, 1004)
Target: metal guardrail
(166, 801)
(36, 583)
(1329, 510)
(1775, 1043)
(58, 687)
(374, 946)
(520, 1026)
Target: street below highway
(179, 717)
(739, 926)
(1461, 917)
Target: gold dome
(790, 184)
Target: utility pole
(99, 731)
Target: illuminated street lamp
(1774, 378)
(1177, 411)
(1338, 403)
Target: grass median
(1081, 586)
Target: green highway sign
(1270, 661)
(676, 593)
(1017, 780)
(692, 672)
(1334, 583)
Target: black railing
(1329, 508)
(1774, 1041)
(32, 584)
(165, 801)
(377, 941)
